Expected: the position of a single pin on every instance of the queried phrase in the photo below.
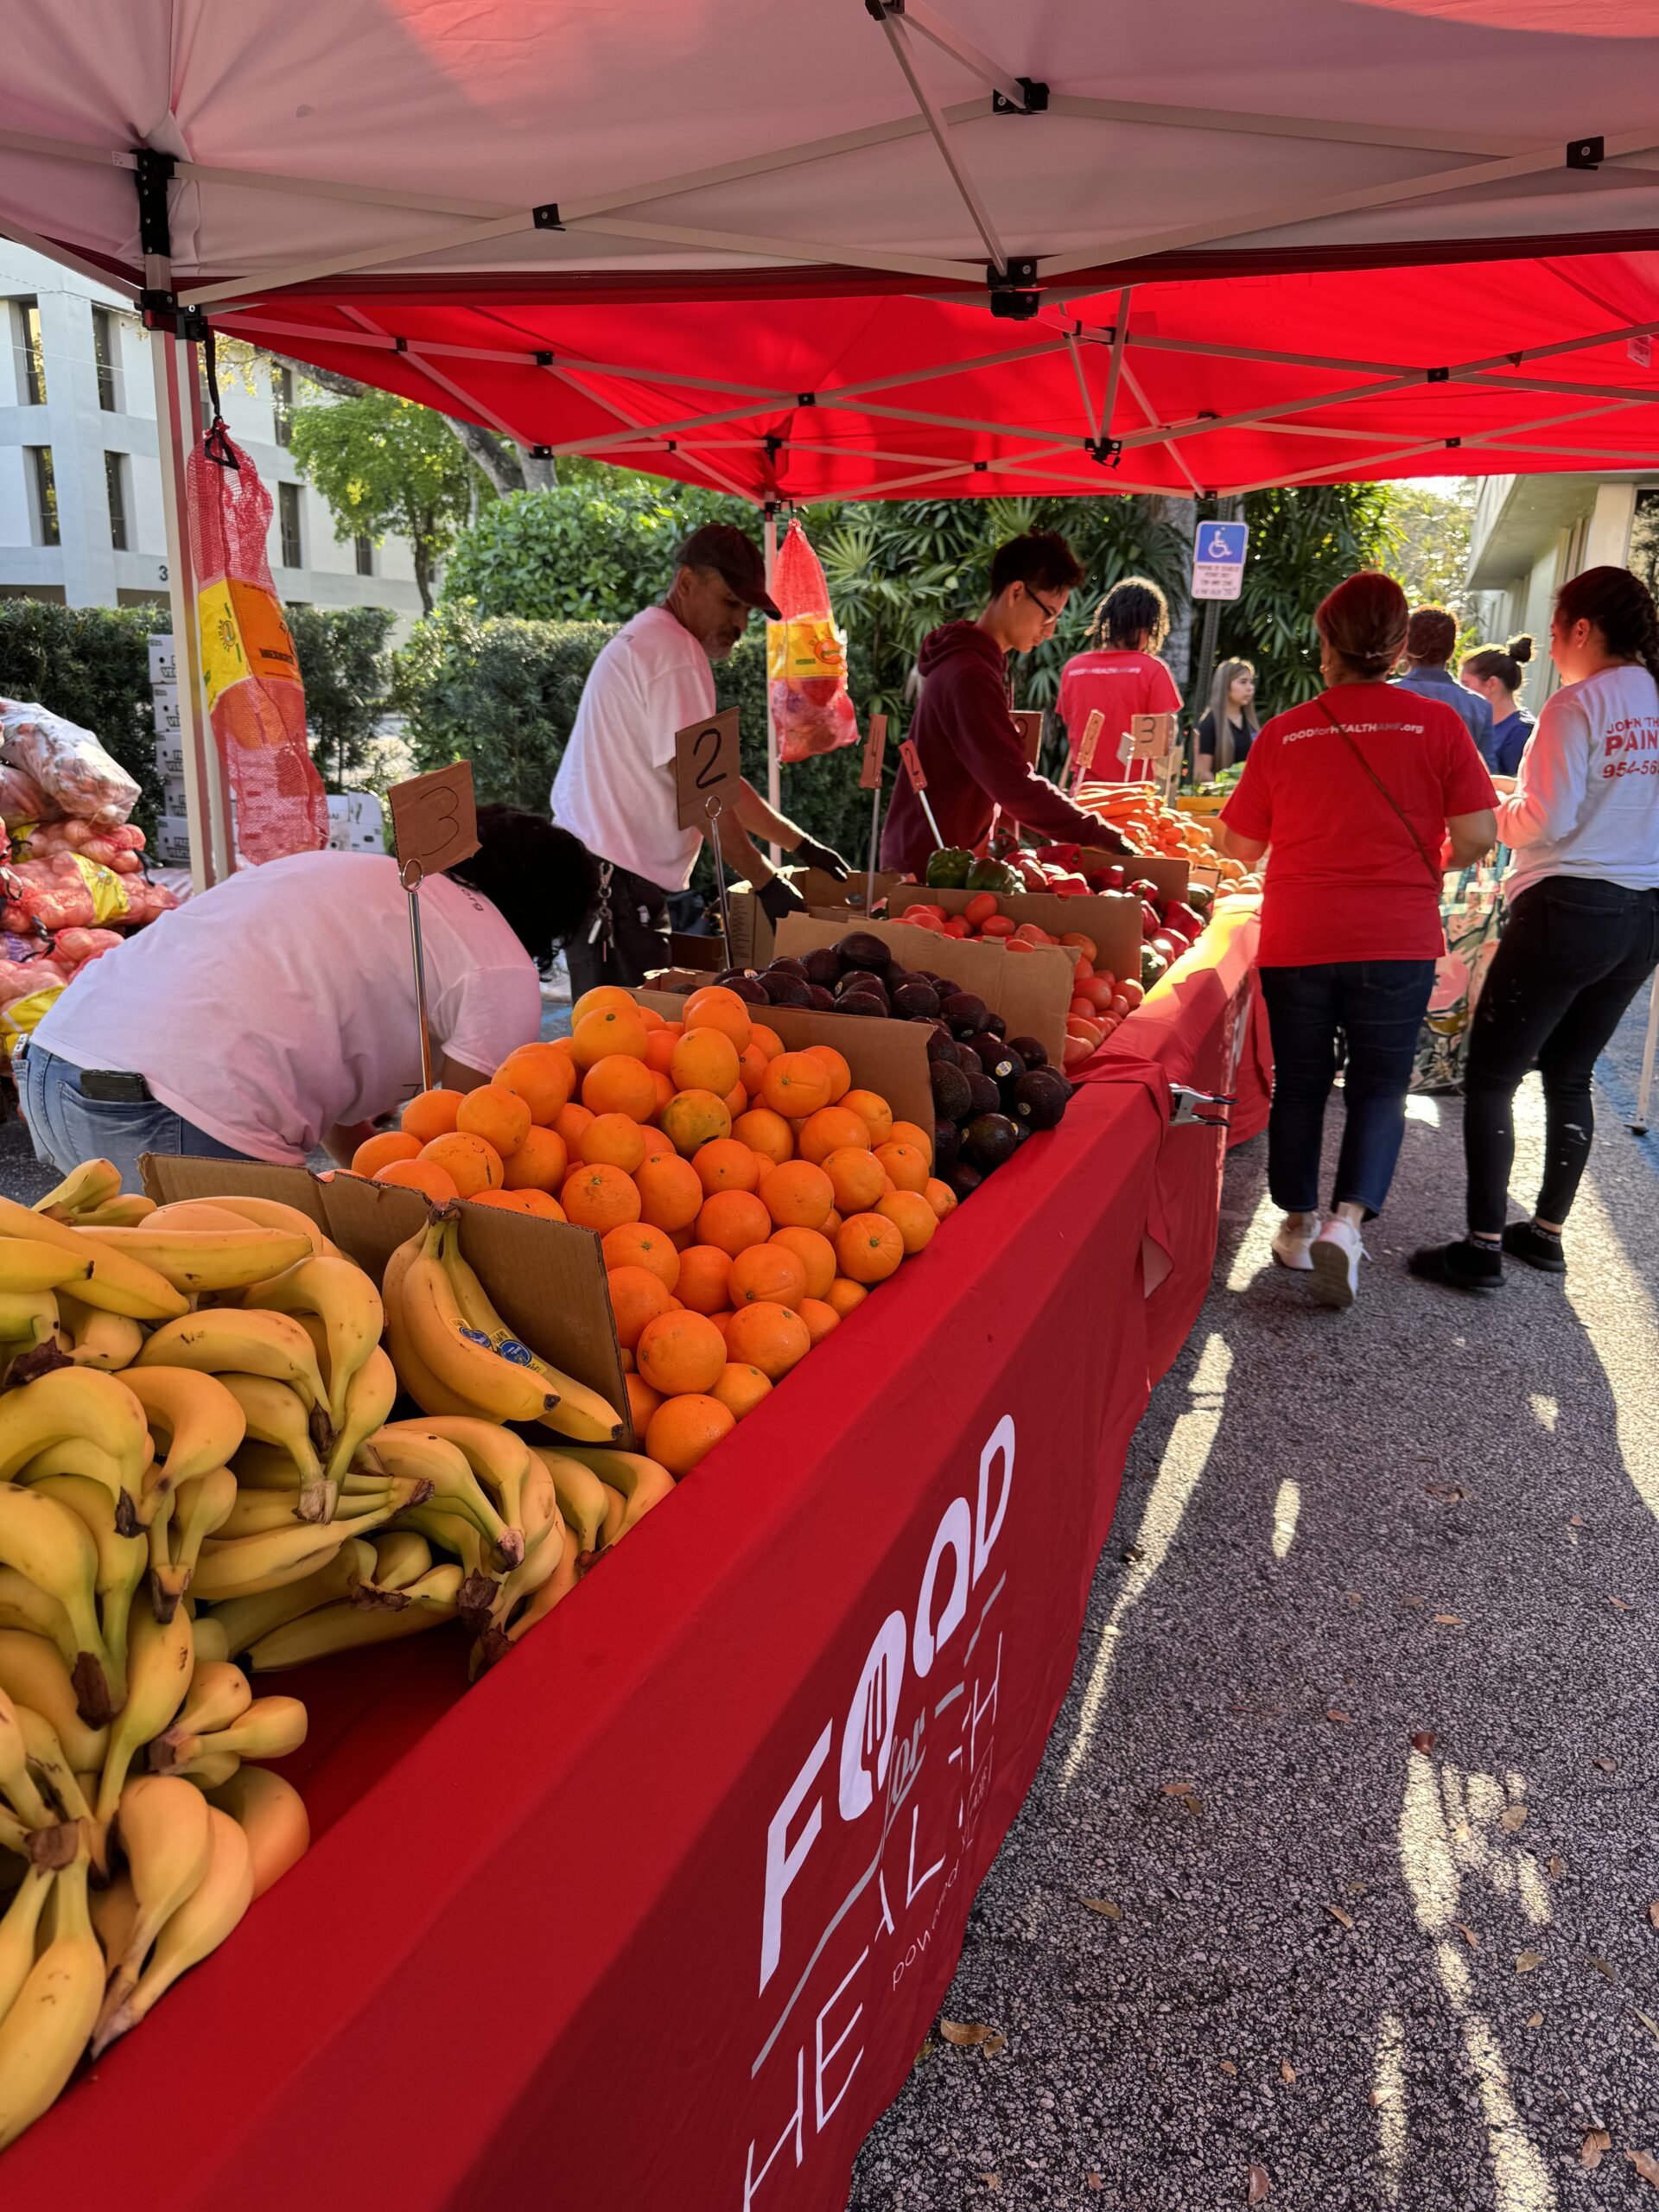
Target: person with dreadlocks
(1120, 674)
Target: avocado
(782, 964)
(939, 1045)
(750, 988)
(860, 949)
(989, 1140)
(953, 1098)
(965, 1179)
(986, 1097)
(1039, 1098)
(914, 997)
(1034, 1054)
(786, 990)
(862, 1002)
(868, 986)
(821, 1000)
(822, 965)
(966, 1013)
(947, 1145)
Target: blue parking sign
(1218, 550)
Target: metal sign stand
(714, 810)
(1650, 1049)
(875, 832)
(412, 876)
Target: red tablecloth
(659, 1913)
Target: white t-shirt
(1587, 794)
(614, 789)
(281, 1002)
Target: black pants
(1573, 956)
(625, 936)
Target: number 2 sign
(705, 766)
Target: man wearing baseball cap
(616, 788)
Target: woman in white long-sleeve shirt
(1583, 931)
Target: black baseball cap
(735, 559)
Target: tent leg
(1645, 1088)
(223, 841)
(774, 774)
(199, 777)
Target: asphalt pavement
(1358, 1764)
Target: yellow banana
(225, 1339)
(119, 1283)
(164, 1830)
(370, 1396)
(16, 1783)
(346, 1302)
(43, 1540)
(254, 1564)
(456, 1352)
(121, 1561)
(49, 1763)
(160, 1660)
(212, 1645)
(428, 1602)
(276, 1414)
(616, 1508)
(412, 1450)
(417, 1378)
(544, 1546)
(210, 1770)
(199, 1259)
(199, 1419)
(46, 2030)
(205, 1504)
(219, 1695)
(581, 1413)
(643, 1481)
(557, 1587)
(27, 1264)
(32, 1674)
(270, 1813)
(196, 1213)
(454, 1533)
(114, 1910)
(499, 1459)
(271, 1213)
(78, 1403)
(94, 1182)
(17, 1932)
(401, 1556)
(268, 1728)
(107, 1341)
(583, 1498)
(24, 1605)
(199, 1925)
(28, 1318)
(119, 1213)
(243, 1621)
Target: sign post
(1086, 745)
(433, 824)
(706, 770)
(918, 784)
(869, 779)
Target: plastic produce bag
(806, 658)
(255, 697)
(64, 765)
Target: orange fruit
(604, 998)
(614, 1029)
(912, 1216)
(763, 1035)
(657, 1147)
(796, 1086)
(855, 1177)
(661, 1091)
(541, 1163)
(723, 1164)
(691, 1117)
(716, 1007)
(471, 1163)
(705, 1059)
(751, 1068)
(737, 1100)
(541, 1075)
(617, 1084)
(815, 1253)
(913, 1134)
(599, 1197)
(670, 1192)
(423, 1175)
(613, 1141)
(375, 1153)
(832, 1129)
(659, 1046)
(819, 1317)
(840, 1075)
(570, 1122)
(545, 1206)
(430, 1114)
(798, 1195)
(637, 1244)
(625, 1359)
(843, 1294)
(637, 1296)
(734, 1220)
(651, 1018)
(721, 1322)
(643, 1401)
(535, 1203)
(682, 1430)
(831, 1226)
(869, 1247)
(909, 1166)
(767, 1273)
(768, 1337)
(678, 1352)
(875, 1112)
(497, 1115)
(741, 1389)
(705, 1273)
(765, 1131)
(940, 1197)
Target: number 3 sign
(435, 820)
(705, 766)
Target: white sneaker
(1291, 1246)
(1335, 1256)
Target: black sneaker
(1523, 1241)
(1462, 1266)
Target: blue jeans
(1375, 1007)
(66, 1128)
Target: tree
(342, 652)
(386, 466)
(1303, 542)
(1427, 525)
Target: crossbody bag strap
(1405, 821)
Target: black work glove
(779, 897)
(824, 856)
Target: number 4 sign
(705, 766)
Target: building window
(288, 508)
(282, 404)
(365, 555)
(31, 358)
(115, 483)
(43, 487)
(106, 352)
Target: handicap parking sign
(1218, 559)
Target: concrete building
(1530, 533)
(80, 490)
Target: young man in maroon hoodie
(964, 736)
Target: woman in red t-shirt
(1364, 795)
(1118, 675)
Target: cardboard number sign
(1151, 736)
(875, 747)
(913, 766)
(705, 766)
(1028, 729)
(435, 818)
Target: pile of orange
(748, 1198)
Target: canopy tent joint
(546, 217)
(153, 173)
(1109, 452)
(1036, 100)
(1586, 153)
(543, 357)
(1013, 296)
(806, 399)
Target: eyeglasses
(1050, 614)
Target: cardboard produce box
(887, 1056)
(1170, 875)
(1030, 990)
(546, 1279)
(753, 935)
(1111, 921)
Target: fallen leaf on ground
(1260, 2185)
(993, 2182)
(1092, 2180)
(964, 2033)
(1424, 1740)
(1449, 1620)
(1556, 1866)
(1646, 2164)
(1528, 1961)
(1577, 1521)
(1178, 1789)
(1513, 1817)
(992, 2045)
(1228, 2067)
(1535, 2020)
(1193, 1804)
(1411, 1601)
(1467, 1934)
(1446, 1489)
(1286, 2071)
(1104, 1907)
(1653, 1913)
(1607, 1765)
(1593, 2144)
(1652, 2027)
(1334, 1715)
(1336, 1913)
(1355, 1890)
(1601, 1965)
(1618, 1605)
(1133, 1556)
(1378, 2097)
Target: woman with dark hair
(1120, 673)
(1497, 672)
(1431, 636)
(1364, 795)
(1582, 934)
(1229, 727)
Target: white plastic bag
(71, 770)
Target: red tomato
(1132, 990)
(998, 926)
(979, 909)
(956, 927)
(1120, 1005)
(1085, 946)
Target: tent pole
(186, 644)
(774, 771)
(218, 782)
(1645, 1089)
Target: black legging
(1572, 958)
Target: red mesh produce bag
(806, 658)
(251, 673)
